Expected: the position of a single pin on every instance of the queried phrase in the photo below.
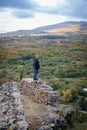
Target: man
(36, 66)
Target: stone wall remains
(11, 109)
(39, 91)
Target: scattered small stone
(45, 127)
(22, 124)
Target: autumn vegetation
(63, 62)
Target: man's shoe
(35, 79)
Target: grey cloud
(23, 14)
(21, 4)
(73, 8)
(28, 8)
(19, 8)
(48, 10)
(76, 8)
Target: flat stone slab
(28, 80)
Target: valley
(63, 58)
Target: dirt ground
(35, 113)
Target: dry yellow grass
(8, 53)
(71, 28)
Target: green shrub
(82, 103)
(11, 76)
(83, 93)
(55, 85)
(21, 74)
(81, 119)
(4, 73)
(25, 57)
(12, 61)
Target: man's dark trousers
(35, 74)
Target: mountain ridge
(82, 25)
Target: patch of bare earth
(35, 113)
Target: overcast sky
(29, 14)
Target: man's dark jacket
(36, 64)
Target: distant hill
(56, 29)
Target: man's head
(37, 56)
